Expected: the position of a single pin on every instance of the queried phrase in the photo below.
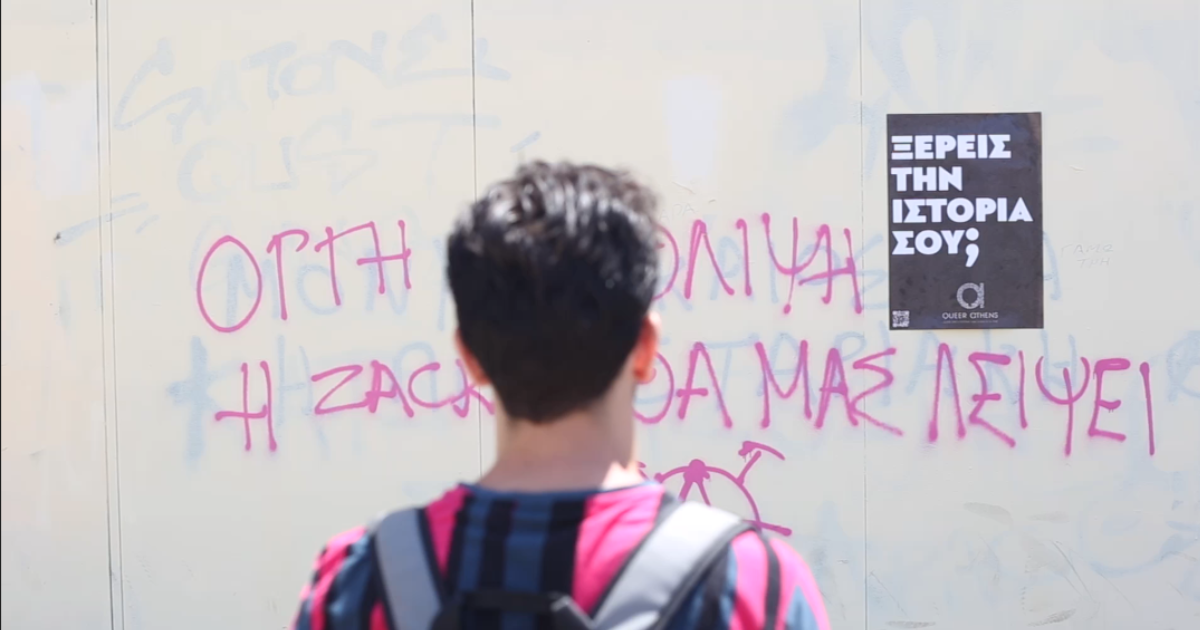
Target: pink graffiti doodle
(697, 472)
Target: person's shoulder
(342, 589)
(342, 551)
(769, 571)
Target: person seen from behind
(553, 272)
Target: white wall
(126, 504)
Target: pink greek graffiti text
(700, 234)
(944, 354)
(689, 389)
(1117, 365)
(984, 396)
(834, 383)
(744, 228)
(769, 382)
(786, 270)
(795, 270)
(697, 473)
(835, 398)
(667, 240)
(378, 259)
(666, 408)
(1071, 398)
(945, 365)
(700, 245)
(200, 285)
(266, 413)
(1021, 391)
(275, 247)
(1102, 366)
(849, 270)
(866, 363)
(1144, 369)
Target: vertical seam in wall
(862, 236)
(474, 112)
(108, 367)
(475, 193)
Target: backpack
(659, 574)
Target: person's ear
(646, 349)
(474, 370)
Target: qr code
(899, 319)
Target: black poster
(965, 220)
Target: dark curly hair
(553, 272)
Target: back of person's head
(553, 272)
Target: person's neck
(586, 450)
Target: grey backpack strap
(405, 560)
(668, 564)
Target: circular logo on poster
(963, 292)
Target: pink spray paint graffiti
(695, 375)
(275, 250)
(681, 265)
(697, 473)
(824, 399)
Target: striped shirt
(571, 542)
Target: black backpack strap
(771, 605)
(664, 569)
(404, 555)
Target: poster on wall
(965, 220)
